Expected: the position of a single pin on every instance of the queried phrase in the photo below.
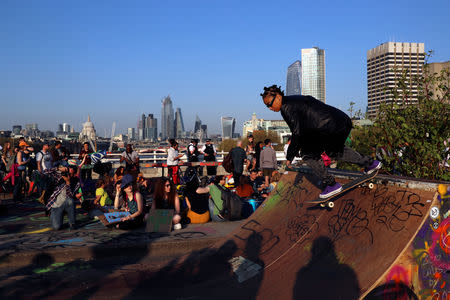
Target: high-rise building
(16, 129)
(179, 124)
(167, 118)
(66, 127)
(131, 133)
(151, 128)
(33, 126)
(228, 125)
(197, 124)
(60, 127)
(385, 64)
(437, 68)
(313, 73)
(293, 79)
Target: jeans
(57, 214)
(214, 218)
(348, 155)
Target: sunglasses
(168, 185)
(271, 102)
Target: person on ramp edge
(316, 128)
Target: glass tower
(313, 73)
(228, 124)
(167, 128)
(179, 124)
(293, 79)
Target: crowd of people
(62, 182)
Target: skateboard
(328, 202)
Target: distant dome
(88, 131)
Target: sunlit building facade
(293, 79)
(228, 126)
(313, 73)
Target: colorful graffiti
(425, 268)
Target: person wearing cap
(317, 128)
(44, 158)
(209, 151)
(132, 202)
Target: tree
(261, 135)
(409, 137)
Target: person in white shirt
(286, 146)
(172, 161)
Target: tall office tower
(204, 128)
(197, 124)
(167, 130)
(385, 64)
(437, 68)
(16, 129)
(179, 124)
(141, 128)
(66, 127)
(131, 133)
(313, 73)
(228, 124)
(151, 128)
(60, 127)
(293, 79)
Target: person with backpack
(238, 156)
(44, 158)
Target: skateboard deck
(346, 187)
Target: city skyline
(62, 61)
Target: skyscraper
(228, 124)
(293, 79)
(179, 124)
(197, 124)
(167, 128)
(313, 73)
(151, 128)
(131, 134)
(385, 64)
(141, 128)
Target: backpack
(228, 163)
(232, 204)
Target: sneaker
(331, 190)
(177, 226)
(376, 165)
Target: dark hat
(208, 140)
(126, 180)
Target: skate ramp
(290, 250)
(310, 253)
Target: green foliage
(261, 135)
(410, 137)
(226, 145)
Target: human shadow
(392, 291)
(324, 277)
(208, 274)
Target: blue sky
(114, 60)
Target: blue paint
(70, 241)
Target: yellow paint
(38, 231)
(442, 190)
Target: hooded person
(316, 128)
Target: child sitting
(101, 196)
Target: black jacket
(316, 127)
(238, 156)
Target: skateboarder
(316, 128)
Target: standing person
(238, 156)
(22, 159)
(316, 128)
(250, 148)
(258, 148)
(193, 154)
(210, 155)
(56, 153)
(86, 171)
(131, 159)
(44, 158)
(173, 162)
(268, 160)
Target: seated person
(257, 182)
(215, 201)
(197, 200)
(276, 176)
(166, 197)
(244, 189)
(101, 196)
(119, 173)
(132, 202)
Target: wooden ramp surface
(287, 250)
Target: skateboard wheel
(371, 185)
(322, 204)
(330, 204)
